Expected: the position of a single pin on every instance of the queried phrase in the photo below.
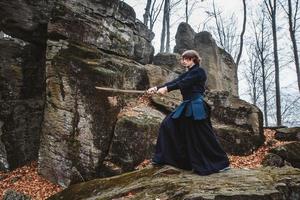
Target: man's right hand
(152, 90)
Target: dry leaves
(254, 160)
(27, 181)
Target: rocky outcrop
(3, 155)
(79, 120)
(288, 134)
(170, 61)
(21, 100)
(289, 153)
(68, 48)
(170, 183)
(108, 25)
(134, 139)
(87, 44)
(220, 66)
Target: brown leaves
(27, 181)
(255, 159)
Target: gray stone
(21, 100)
(79, 120)
(289, 152)
(13, 195)
(272, 160)
(288, 134)
(3, 155)
(171, 183)
(134, 138)
(169, 60)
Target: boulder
(134, 139)
(170, 61)
(272, 160)
(288, 134)
(289, 152)
(219, 65)
(13, 195)
(171, 183)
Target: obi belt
(193, 107)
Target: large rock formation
(220, 67)
(170, 183)
(21, 100)
(68, 48)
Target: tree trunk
(294, 41)
(276, 62)
(147, 12)
(186, 11)
(168, 28)
(242, 34)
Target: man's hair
(192, 55)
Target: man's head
(189, 58)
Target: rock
(79, 120)
(134, 138)
(158, 75)
(3, 155)
(288, 134)
(21, 100)
(170, 183)
(169, 60)
(234, 120)
(112, 28)
(289, 152)
(272, 160)
(13, 195)
(220, 66)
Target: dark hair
(192, 55)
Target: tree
(262, 52)
(224, 30)
(242, 34)
(152, 12)
(292, 14)
(271, 6)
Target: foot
(225, 169)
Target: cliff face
(51, 111)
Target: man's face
(186, 62)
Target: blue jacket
(192, 86)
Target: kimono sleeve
(189, 80)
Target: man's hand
(152, 90)
(162, 90)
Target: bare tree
(253, 75)
(271, 6)
(292, 12)
(262, 52)
(224, 30)
(242, 34)
(147, 12)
